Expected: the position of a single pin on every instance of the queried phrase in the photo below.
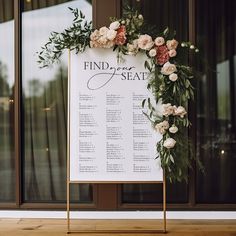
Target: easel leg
(164, 201)
(68, 206)
(68, 149)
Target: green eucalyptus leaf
(143, 103)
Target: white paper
(110, 138)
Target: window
(37, 141)
(7, 161)
(45, 105)
(216, 100)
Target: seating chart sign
(110, 139)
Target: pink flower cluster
(165, 50)
(162, 52)
(108, 37)
(168, 110)
(160, 49)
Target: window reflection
(7, 175)
(45, 104)
(216, 100)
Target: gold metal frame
(68, 182)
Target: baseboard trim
(202, 215)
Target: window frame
(106, 196)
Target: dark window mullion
(192, 108)
(17, 99)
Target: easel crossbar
(114, 231)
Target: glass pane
(172, 13)
(7, 173)
(45, 104)
(152, 193)
(216, 102)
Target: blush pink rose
(162, 55)
(168, 109)
(172, 44)
(180, 111)
(168, 68)
(172, 53)
(145, 42)
(159, 41)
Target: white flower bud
(140, 17)
(173, 77)
(152, 53)
(114, 25)
(173, 129)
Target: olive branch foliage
(75, 37)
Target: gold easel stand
(151, 231)
(77, 182)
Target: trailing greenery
(76, 37)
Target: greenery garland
(169, 79)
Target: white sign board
(110, 138)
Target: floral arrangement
(169, 79)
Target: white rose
(135, 43)
(133, 48)
(165, 124)
(111, 34)
(95, 35)
(152, 52)
(102, 40)
(130, 47)
(114, 25)
(160, 129)
(109, 44)
(159, 41)
(94, 44)
(172, 44)
(145, 42)
(169, 143)
(173, 77)
(180, 111)
(172, 53)
(168, 68)
(173, 129)
(167, 109)
(103, 30)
